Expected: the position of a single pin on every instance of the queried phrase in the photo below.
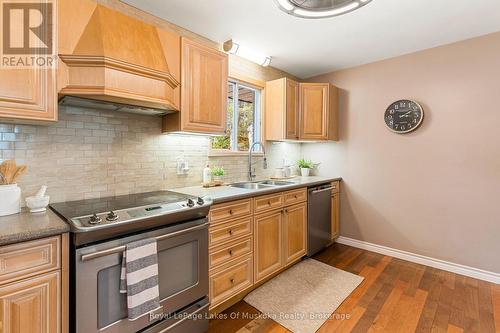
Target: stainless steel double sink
(263, 184)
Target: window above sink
(243, 120)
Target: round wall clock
(404, 116)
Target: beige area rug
(304, 296)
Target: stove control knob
(200, 201)
(190, 203)
(112, 216)
(94, 219)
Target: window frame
(258, 119)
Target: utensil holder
(10, 202)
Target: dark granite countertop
(227, 193)
(26, 226)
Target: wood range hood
(119, 62)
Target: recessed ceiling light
(319, 8)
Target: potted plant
(305, 167)
(217, 173)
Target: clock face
(403, 116)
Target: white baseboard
(423, 260)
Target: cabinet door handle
(231, 212)
(269, 202)
(230, 252)
(286, 211)
(231, 280)
(230, 231)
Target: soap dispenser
(207, 175)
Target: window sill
(228, 153)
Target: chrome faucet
(251, 172)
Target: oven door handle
(120, 249)
(174, 325)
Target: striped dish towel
(139, 277)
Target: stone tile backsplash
(92, 154)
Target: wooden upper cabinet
(28, 94)
(314, 111)
(292, 109)
(318, 111)
(300, 111)
(282, 110)
(204, 79)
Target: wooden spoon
(20, 171)
(10, 172)
(7, 169)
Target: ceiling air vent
(319, 8)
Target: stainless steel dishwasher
(319, 227)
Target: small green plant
(305, 164)
(217, 171)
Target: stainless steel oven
(183, 283)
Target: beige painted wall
(436, 191)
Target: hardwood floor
(395, 296)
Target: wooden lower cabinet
(295, 230)
(268, 243)
(219, 255)
(229, 231)
(253, 239)
(280, 239)
(34, 286)
(335, 215)
(32, 305)
(230, 279)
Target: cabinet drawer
(30, 258)
(230, 280)
(230, 251)
(230, 210)
(336, 187)
(268, 202)
(295, 196)
(229, 232)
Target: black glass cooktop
(73, 209)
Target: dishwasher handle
(322, 190)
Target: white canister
(10, 199)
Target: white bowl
(37, 204)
